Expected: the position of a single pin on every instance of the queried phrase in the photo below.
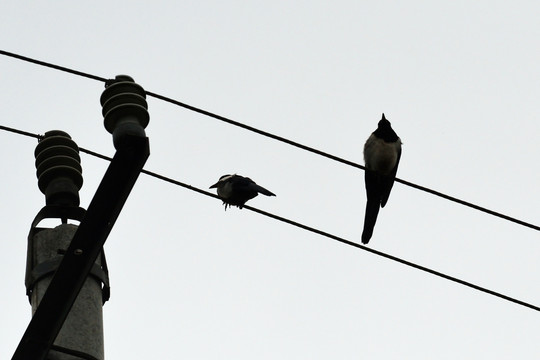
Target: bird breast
(225, 191)
(381, 156)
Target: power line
(158, 176)
(279, 138)
(340, 239)
(53, 66)
(255, 130)
(317, 231)
(189, 107)
(20, 132)
(356, 245)
(471, 205)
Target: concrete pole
(82, 331)
(60, 178)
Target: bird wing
(388, 181)
(249, 185)
(262, 190)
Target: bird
(382, 153)
(235, 190)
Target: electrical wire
(255, 130)
(278, 138)
(340, 239)
(21, 132)
(314, 230)
(153, 174)
(53, 66)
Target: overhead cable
(278, 138)
(319, 232)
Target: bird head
(221, 181)
(384, 120)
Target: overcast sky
(460, 83)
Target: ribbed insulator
(59, 170)
(125, 109)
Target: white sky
(459, 81)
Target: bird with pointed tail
(382, 152)
(235, 190)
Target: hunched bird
(235, 190)
(382, 153)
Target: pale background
(460, 82)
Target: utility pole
(60, 178)
(66, 277)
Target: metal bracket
(37, 272)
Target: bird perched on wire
(235, 190)
(382, 152)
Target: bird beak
(214, 186)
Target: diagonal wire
(278, 138)
(340, 239)
(21, 132)
(53, 66)
(315, 230)
(471, 205)
(341, 160)
(337, 238)
(255, 130)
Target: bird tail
(373, 192)
(263, 191)
(372, 210)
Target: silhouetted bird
(382, 152)
(236, 190)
